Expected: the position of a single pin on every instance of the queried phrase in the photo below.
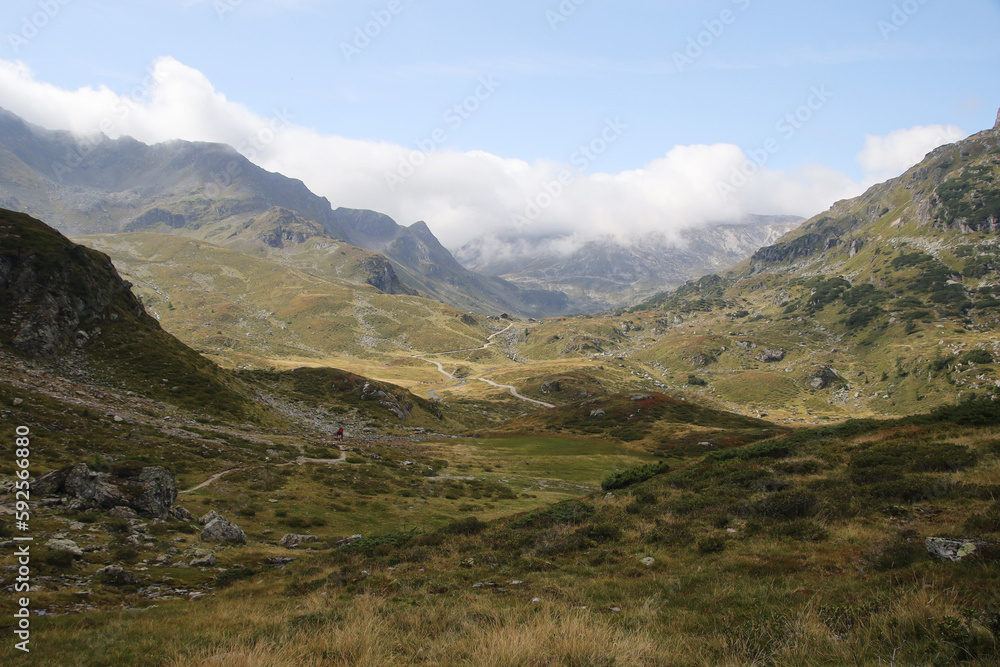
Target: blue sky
(561, 72)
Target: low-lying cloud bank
(465, 195)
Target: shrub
(234, 574)
(468, 526)
(977, 357)
(379, 545)
(711, 545)
(904, 549)
(784, 505)
(601, 532)
(671, 535)
(696, 381)
(636, 475)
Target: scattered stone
(181, 514)
(278, 560)
(640, 397)
(535, 600)
(348, 540)
(17, 402)
(648, 561)
(516, 582)
(223, 531)
(122, 512)
(119, 576)
(609, 496)
(291, 541)
(207, 519)
(594, 414)
(616, 610)
(953, 550)
(118, 419)
(204, 561)
(76, 526)
(64, 545)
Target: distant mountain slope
(209, 191)
(245, 309)
(427, 265)
(608, 273)
(888, 303)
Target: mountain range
(96, 185)
(610, 272)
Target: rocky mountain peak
(997, 125)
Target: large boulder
(223, 531)
(150, 491)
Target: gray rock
(291, 541)
(119, 576)
(771, 356)
(64, 545)
(223, 531)
(150, 491)
(207, 518)
(594, 414)
(648, 561)
(278, 560)
(122, 512)
(181, 514)
(348, 540)
(204, 561)
(824, 378)
(953, 550)
(640, 397)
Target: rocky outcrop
(771, 356)
(223, 531)
(383, 277)
(59, 295)
(150, 491)
(291, 541)
(824, 377)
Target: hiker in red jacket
(340, 433)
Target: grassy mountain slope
(886, 304)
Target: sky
(573, 118)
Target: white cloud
(890, 155)
(461, 195)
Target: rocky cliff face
(56, 296)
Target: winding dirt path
(489, 341)
(298, 461)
